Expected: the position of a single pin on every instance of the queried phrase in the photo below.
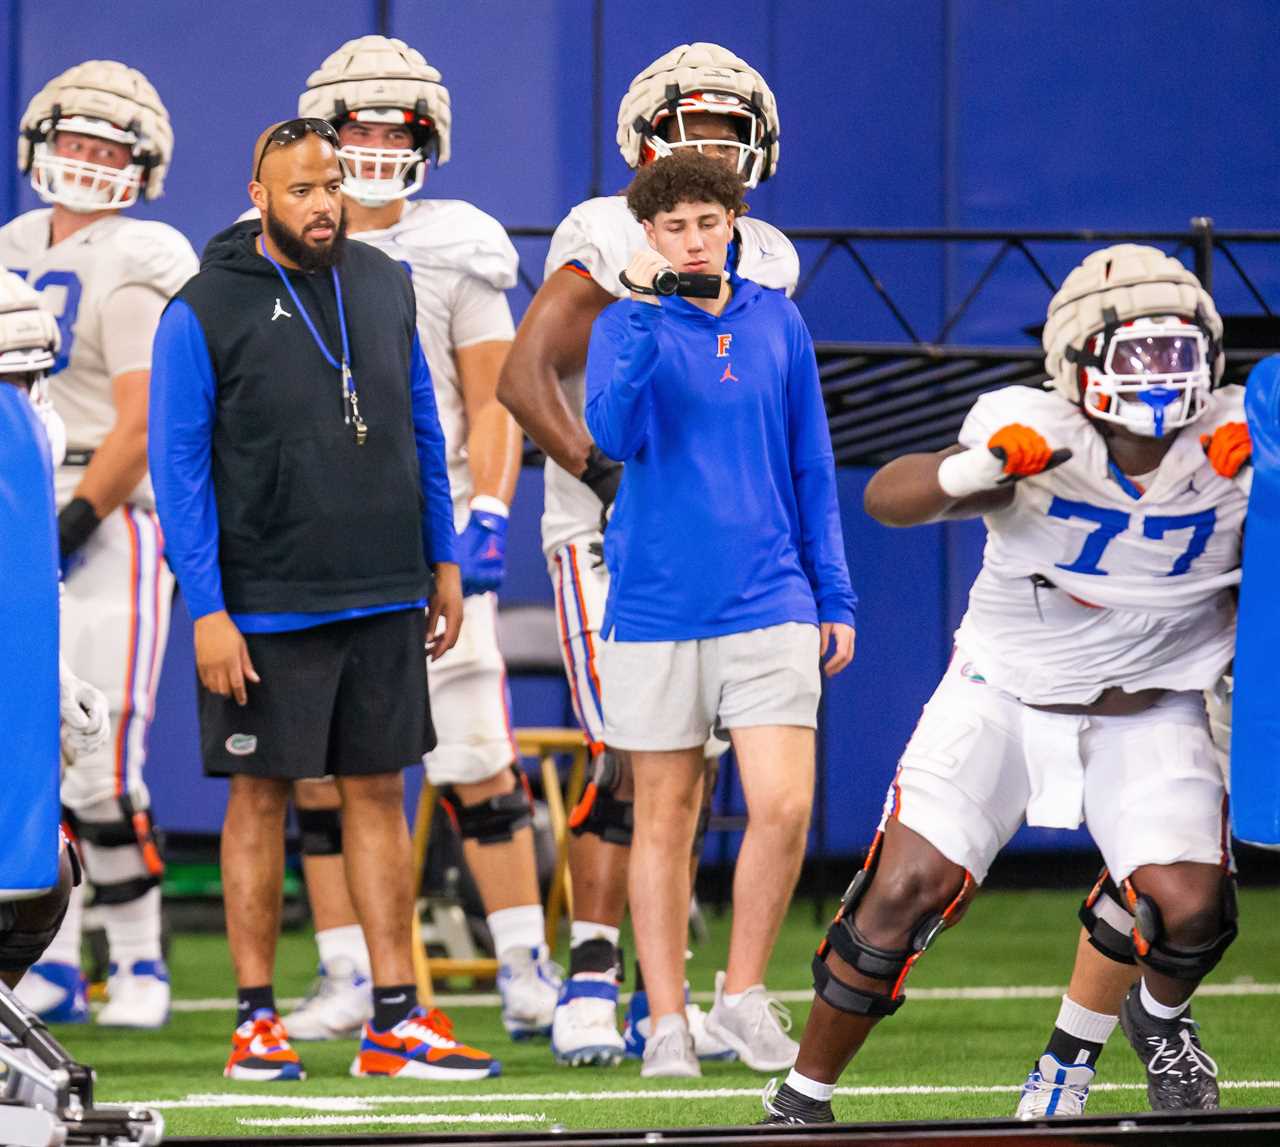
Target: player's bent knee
(1202, 936)
(1107, 921)
(602, 810)
(27, 927)
(321, 831)
(495, 820)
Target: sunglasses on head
(293, 130)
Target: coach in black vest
(300, 478)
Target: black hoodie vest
(308, 521)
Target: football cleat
(530, 985)
(584, 1030)
(1054, 1089)
(57, 993)
(421, 1046)
(755, 1027)
(138, 998)
(1181, 1075)
(260, 1051)
(786, 1106)
(636, 1030)
(338, 1005)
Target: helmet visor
(1161, 355)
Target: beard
(294, 246)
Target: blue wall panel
(10, 94)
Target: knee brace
(22, 945)
(1152, 946)
(495, 820)
(599, 812)
(321, 831)
(134, 830)
(891, 964)
(1108, 921)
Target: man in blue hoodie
(727, 577)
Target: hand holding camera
(649, 275)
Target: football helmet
(105, 99)
(1134, 339)
(693, 79)
(29, 343)
(376, 79)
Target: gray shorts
(666, 695)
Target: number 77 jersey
(1092, 578)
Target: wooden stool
(545, 744)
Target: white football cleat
(55, 992)
(337, 1006)
(584, 1031)
(1053, 1089)
(530, 984)
(138, 997)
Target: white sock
(810, 1087)
(65, 948)
(520, 927)
(344, 945)
(580, 931)
(133, 929)
(733, 999)
(670, 1022)
(1079, 1021)
(1155, 1008)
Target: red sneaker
(421, 1046)
(260, 1051)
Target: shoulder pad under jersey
(1043, 410)
(451, 234)
(600, 235)
(766, 255)
(153, 254)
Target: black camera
(669, 282)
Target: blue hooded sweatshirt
(727, 518)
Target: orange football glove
(1229, 448)
(1025, 450)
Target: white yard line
(364, 1120)
(791, 996)
(370, 1103)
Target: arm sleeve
(129, 318)
(437, 506)
(621, 359)
(180, 452)
(480, 314)
(813, 475)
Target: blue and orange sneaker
(421, 1046)
(260, 1051)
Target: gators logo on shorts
(241, 744)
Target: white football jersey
(1091, 580)
(75, 279)
(600, 236)
(461, 262)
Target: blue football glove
(482, 548)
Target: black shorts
(342, 699)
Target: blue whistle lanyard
(351, 401)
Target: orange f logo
(723, 343)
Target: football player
(700, 96)
(95, 140)
(1114, 504)
(392, 114)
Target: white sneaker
(1054, 1089)
(530, 985)
(137, 998)
(668, 1054)
(337, 1006)
(755, 1028)
(584, 1030)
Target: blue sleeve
(180, 453)
(813, 475)
(621, 359)
(437, 503)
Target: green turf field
(938, 1058)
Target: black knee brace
(1107, 920)
(321, 831)
(134, 829)
(599, 812)
(1153, 948)
(495, 820)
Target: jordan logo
(728, 375)
(280, 312)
